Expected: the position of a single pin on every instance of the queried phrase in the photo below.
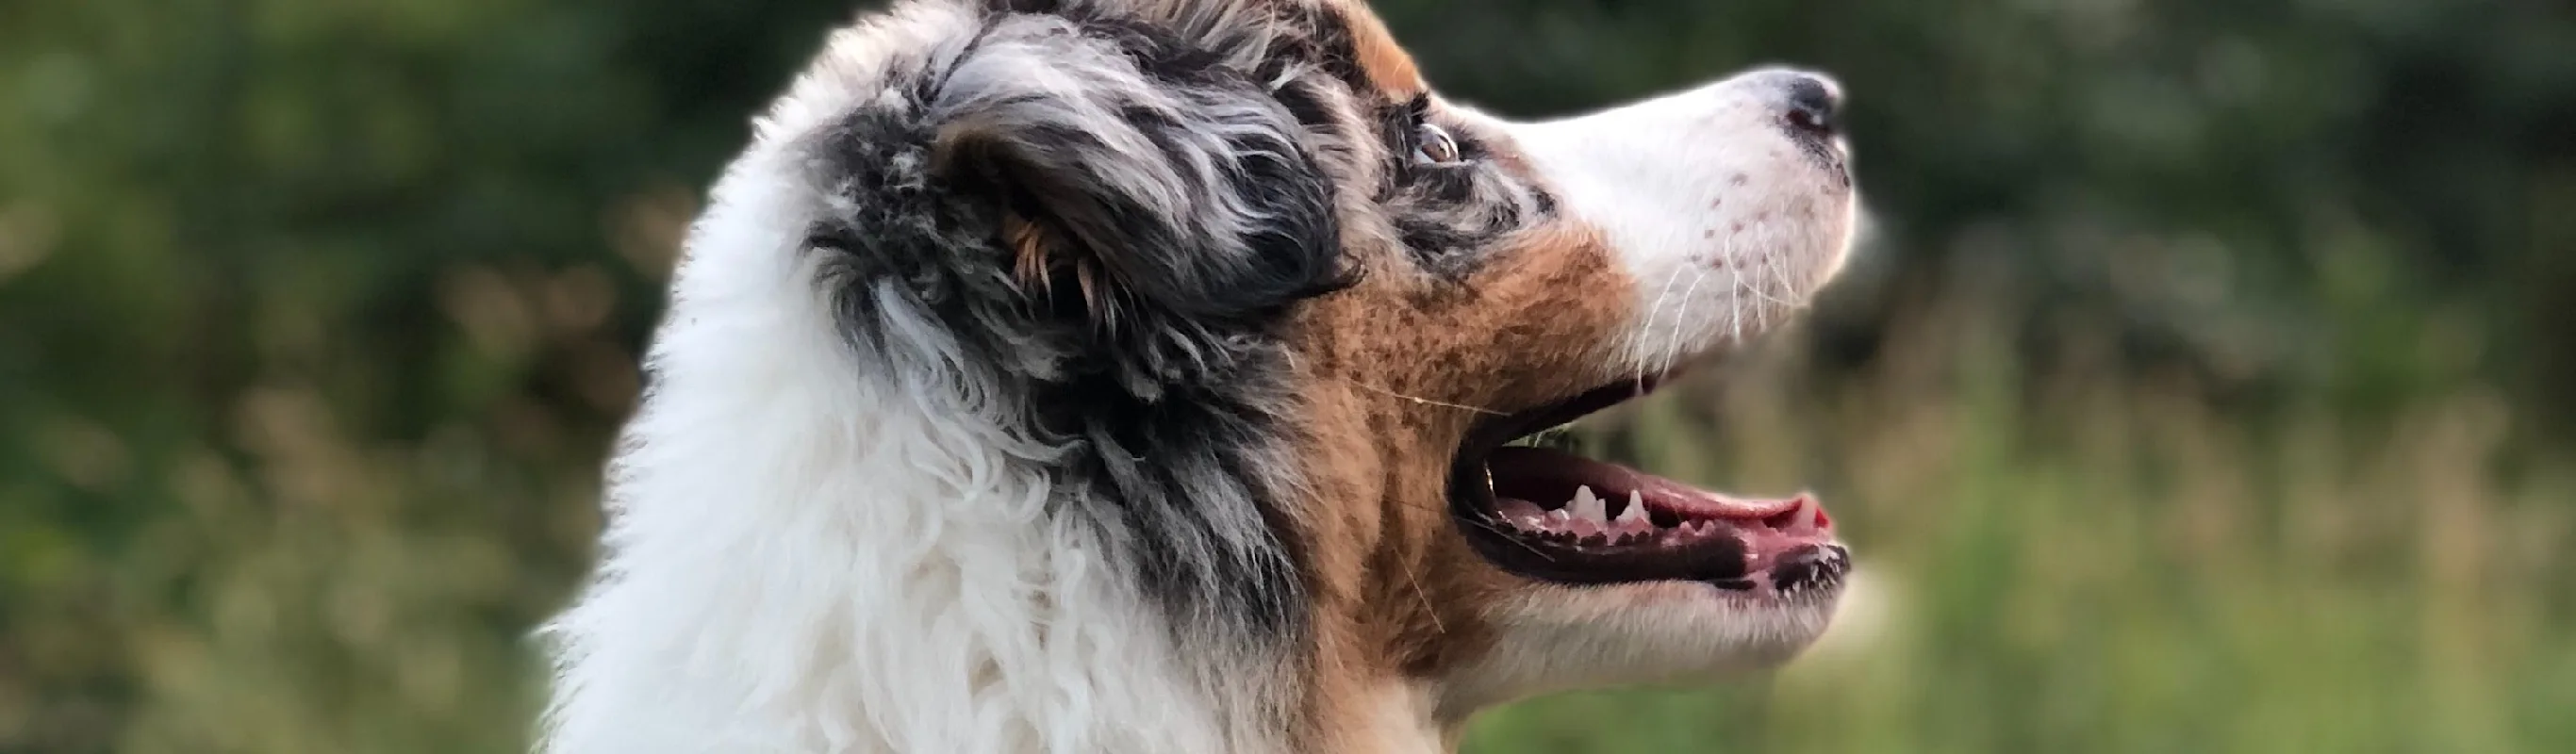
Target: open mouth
(1555, 516)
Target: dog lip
(1494, 431)
(1499, 497)
(1810, 567)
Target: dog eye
(1435, 147)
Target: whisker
(1786, 296)
(1424, 401)
(1508, 536)
(1425, 597)
(1486, 522)
(1673, 349)
(1734, 296)
(1654, 314)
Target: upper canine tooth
(1636, 512)
(1588, 508)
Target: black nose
(1812, 103)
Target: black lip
(1493, 432)
(1811, 567)
(1471, 499)
(1719, 560)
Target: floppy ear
(1140, 177)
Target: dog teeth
(1588, 508)
(1636, 512)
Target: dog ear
(1138, 177)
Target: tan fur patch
(1396, 371)
(1388, 66)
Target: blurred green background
(2204, 387)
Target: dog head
(1267, 311)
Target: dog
(1148, 376)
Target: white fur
(1726, 225)
(810, 551)
(1561, 639)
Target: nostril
(1812, 104)
(1811, 119)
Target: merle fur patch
(1175, 216)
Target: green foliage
(2197, 392)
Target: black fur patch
(1447, 215)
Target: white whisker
(1675, 345)
(1641, 348)
(1424, 401)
